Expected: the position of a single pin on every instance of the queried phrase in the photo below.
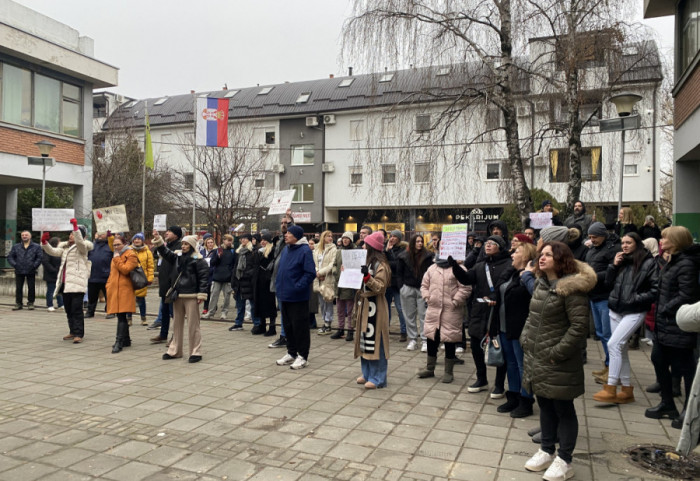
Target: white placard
(160, 222)
(301, 217)
(52, 219)
(353, 260)
(281, 201)
(540, 220)
(454, 241)
(111, 218)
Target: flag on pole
(212, 122)
(148, 147)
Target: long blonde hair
(627, 217)
(321, 244)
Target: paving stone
(27, 472)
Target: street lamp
(624, 104)
(45, 148)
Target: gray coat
(688, 319)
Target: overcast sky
(169, 47)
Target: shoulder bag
(493, 353)
(138, 276)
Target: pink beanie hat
(375, 240)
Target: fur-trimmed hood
(582, 281)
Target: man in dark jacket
(242, 283)
(286, 221)
(167, 275)
(25, 257)
(222, 261)
(296, 271)
(394, 247)
(579, 217)
(600, 255)
(101, 258)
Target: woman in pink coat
(446, 298)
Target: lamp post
(45, 148)
(624, 104)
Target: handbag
(493, 353)
(171, 295)
(138, 277)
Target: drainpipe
(323, 178)
(653, 143)
(532, 143)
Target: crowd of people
(528, 300)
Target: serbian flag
(212, 122)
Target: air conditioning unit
(328, 167)
(119, 98)
(278, 168)
(312, 121)
(524, 110)
(329, 119)
(263, 147)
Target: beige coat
(446, 298)
(74, 262)
(375, 287)
(324, 267)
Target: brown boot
(602, 378)
(607, 395)
(626, 395)
(601, 371)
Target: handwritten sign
(111, 218)
(301, 217)
(160, 222)
(353, 260)
(281, 201)
(52, 219)
(540, 220)
(454, 241)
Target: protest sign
(301, 217)
(454, 241)
(540, 220)
(111, 218)
(353, 260)
(47, 220)
(281, 201)
(160, 222)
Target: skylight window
(231, 93)
(303, 98)
(161, 101)
(130, 104)
(347, 82)
(443, 71)
(387, 77)
(265, 91)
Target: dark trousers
(19, 284)
(680, 361)
(433, 346)
(478, 356)
(94, 289)
(558, 417)
(73, 304)
(166, 313)
(295, 316)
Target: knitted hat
(191, 240)
(257, 238)
(296, 231)
(523, 238)
(397, 234)
(349, 235)
(176, 230)
(375, 241)
(598, 228)
(546, 202)
(498, 240)
(206, 236)
(266, 236)
(246, 236)
(139, 235)
(554, 233)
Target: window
(388, 127)
(631, 169)
(387, 77)
(71, 110)
(493, 119)
(161, 101)
(589, 111)
(188, 181)
(16, 95)
(303, 98)
(259, 183)
(270, 137)
(357, 129)
(389, 174)
(231, 93)
(47, 103)
(689, 14)
(346, 82)
(498, 170)
(214, 180)
(165, 143)
(303, 192)
(443, 71)
(303, 154)
(422, 173)
(265, 91)
(356, 175)
(423, 123)
(590, 165)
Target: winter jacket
(295, 272)
(75, 267)
(678, 285)
(446, 298)
(342, 293)
(25, 261)
(101, 258)
(407, 274)
(392, 257)
(145, 258)
(208, 256)
(223, 264)
(120, 291)
(191, 272)
(479, 312)
(265, 302)
(584, 220)
(167, 272)
(242, 278)
(647, 231)
(516, 300)
(554, 335)
(688, 317)
(51, 265)
(370, 299)
(632, 292)
(623, 229)
(599, 258)
(324, 260)
(280, 245)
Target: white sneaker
(424, 347)
(559, 471)
(411, 345)
(222, 316)
(539, 462)
(287, 359)
(299, 363)
(51, 309)
(459, 350)
(442, 346)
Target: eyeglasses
(490, 243)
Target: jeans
(241, 311)
(19, 285)
(622, 327)
(392, 293)
(601, 318)
(216, 288)
(375, 371)
(50, 289)
(558, 417)
(513, 353)
(141, 302)
(166, 313)
(326, 309)
(414, 309)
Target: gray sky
(169, 47)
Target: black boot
(654, 388)
(663, 409)
(126, 342)
(678, 422)
(121, 335)
(338, 334)
(259, 329)
(271, 330)
(350, 336)
(512, 401)
(524, 409)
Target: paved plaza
(78, 412)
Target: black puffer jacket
(516, 299)
(599, 258)
(479, 312)
(25, 261)
(242, 280)
(223, 264)
(406, 275)
(555, 333)
(51, 266)
(632, 292)
(191, 272)
(678, 285)
(392, 257)
(167, 272)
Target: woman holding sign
(372, 314)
